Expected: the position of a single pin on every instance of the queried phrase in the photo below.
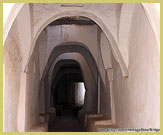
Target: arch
(114, 44)
(59, 65)
(60, 73)
(61, 61)
(82, 50)
(103, 25)
(72, 47)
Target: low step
(42, 127)
(100, 124)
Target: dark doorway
(68, 98)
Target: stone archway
(76, 51)
(137, 54)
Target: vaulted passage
(71, 82)
(68, 93)
(79, 67)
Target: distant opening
(79, 93)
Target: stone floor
(66, 124)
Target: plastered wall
(16, 51)
(137, 98)
(13, 67)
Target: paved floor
(66, 124)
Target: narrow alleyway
(81, 67)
